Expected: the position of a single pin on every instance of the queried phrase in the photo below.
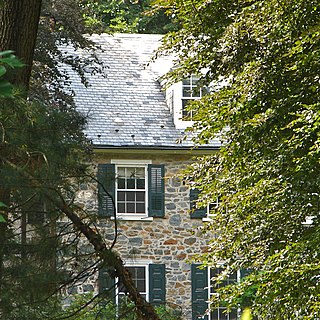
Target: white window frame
(132, 163)
(210, 281)
(192, 96)
(209, 216)
(174, 97)
(140, 263)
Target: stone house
(134, 125)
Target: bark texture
(19, 21)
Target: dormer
(179, 95)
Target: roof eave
(155, 149)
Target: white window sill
(209, 218)
(134, 217)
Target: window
(178, 95)
(190, 91)
(131, 189)
(206, 212)
(219, 313)
(149, 280)
(36, 211)
(204, 287)
(139, 276)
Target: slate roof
(126, 106)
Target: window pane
(140, 184)
(121, 172)
(121, 208)
(140, 173)
(140, 196)
(121, 196)
(140, 208)
(121, 287)
(196, 92)
(194, 80)
(186, 81)
(130, 196)
(185, 113)
(130, 208)
(215, 315)
(130, 173)
(186, 92)
(131, 184)
(141, 285)
(121, 183)
(140, 272)
(233, 314)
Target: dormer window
(190, 91)
(178, 97)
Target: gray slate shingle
(127, 108)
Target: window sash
(131, 189)
(140, 277)
(190, 91)
(218, 313)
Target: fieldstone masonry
(169, 240)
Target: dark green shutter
(244, 273)
(106, 178)
(156, 190)
(195, 212)
(106, 284)
(157, 284)
(199, 294)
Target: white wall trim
(130, 161)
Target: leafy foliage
(261, 60)
(7, 60)
(101, 309)
(130, 16)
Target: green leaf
(2, 219)
(12, 61)
(3, 205)
(5, 53)
(5, 88)
(3, 70)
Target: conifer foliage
(44, 157)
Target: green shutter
(195, 212)
(106, 284)
(156, 190)
(199, 294)
(106, 178)
(244, 273)
(157, 284)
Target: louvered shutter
(106, 284)
(106, 178)
(195, 212)
(199, 294)
(244, 273)
(156, 190)
(157, 284)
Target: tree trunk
(4, 198)
(19, 21)
(145, 310)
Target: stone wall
(169, 240)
